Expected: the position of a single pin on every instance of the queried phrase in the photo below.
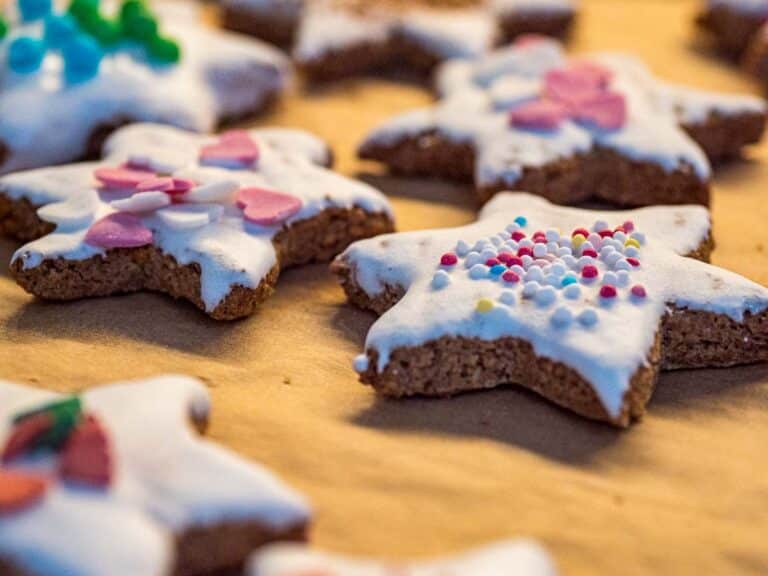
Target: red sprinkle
(504, 257)
(517, 235)
(448, 259)
(539, 239)
(583, 231)
(589, 271)
(589, 252)
(492, 262)
(608, 291)
(634, 262)
(510, 276)
(87, 456)
(638, 291)
(605, 233)
(26, 434)
(628, 226)
(525, 251)
(515, 261)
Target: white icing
(477, 96)
(166, 480)
(45, 121)
(229, 250)
(512, 557)
(621, 334)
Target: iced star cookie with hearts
(208, 219)
(114, 481)
(333, 39)
(583, 307)
(598, 126)
(512, 557)
(68, 77)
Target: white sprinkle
(572, 292)
(142, 202)
(527, 260)
(488, 253)
(361, 363)
(561, 318)
(219, 191)
(553, 281)
(539, 250)
(462, 248)
(640, 237)
(526, 243)
(612, 258)
(623, 278)
(596, 240)
(479, 245)
(631, 252)
(534, 274)
(622, 265)
(610, 278)
(586, 246)
(189, 216)
(472, 259)
(563, 251)
(495, 240)
(605, 250)
(588, 317)
(583, 261)
(513, 227)
(440, 280)
(545, 296)
(478, 271)
(530, 289)
(553, 247)
(599, 225)
(517, 269)
(507, 297)
(620, 237)
(552, 235)
(558, 268)
(569, 261)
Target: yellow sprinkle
(578, 240)
(484, 305)
(632, 242)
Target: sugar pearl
(599, 225)
(564, 251)
(610, 278)
(488, 253)
(361, 363)
(495, 240)
(478, 271)
(640, 237)
(440, 280)
(631, 252)
(462, 248)
(553, 247)
(530, 289)
(534, 274)
(507, 297)
(561, 318)
(622, 265)
(527, 261)
(622, 277)
(545, 296)
(519, 270)
(558, 268)
(587, 317)
(572, 292)
(552, 235)
(479, 245)
(539, 250)
(612, 258)
(472, 259)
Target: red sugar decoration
(517, 235)
(628, 226)
(87, 456)
(25, 434)
(583, 231)
(492, 262)
(589, 271)
(505, 257)
(634, 262)
(525, 251)
(638, 291)
(510, 276)
(605, 233)
(589, 252)
(608, 291)
(448, 259)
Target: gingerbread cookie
(733, 24)
(580, 306)
(570, 129)
(69, 78)
(210, 219)
(333, 39)
(115, 482)
(512, 557)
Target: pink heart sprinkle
(121, 178)
(234, 148)
(538, 115)
(606, 111)
(119, 230)
(579, 82)
(182, 185)
(265, 207)
(525, 40)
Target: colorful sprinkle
(440, 280)
(27, 435)
(25, 55)
(58, 30)
(34, 9)
(524, 251)
(589, 271)
(591, 253)
(498, 269)
(578, 240)
(87, 457)
(3, 27)
(628, 226)
(608, 291)
(510, 277)
(82, 59)
(521, 221)
(19, 490)
(561, 318)
(568, 280)
(233, 150)
(587, 318)
(632, 242)
(484, 305)
(120, 230)
(606, 111)
(638, 291)
(64, 413)
(491, 262)
(448, 259)
(164, 50)
(605, 233)
(265, 207)
(580, 232)
(634, 262)
(517, 235)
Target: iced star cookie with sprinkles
(570, 129)
(580, 306)
(68, 77)
(333, 39)
(114, 481)
(507, 558)
(208, 219)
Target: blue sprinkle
(569, 280)
(59, 29)
(521, 221)
(498, 269)
(82, 58)
(34, 9)
(25, 54)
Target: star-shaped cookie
(583, 307)
(210, 219)
(338, 38)
(570, 129)
(115, 482)
(49, 115)
(518, 557)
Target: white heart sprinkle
(142, 202)
(76, 212)
(219, 191)
(189, 216)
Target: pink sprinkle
(182, 185)
(121, 178)
(119, 230)
(525, 251)
(605, 233)
(515, 261)
(589, 271)
(492, 262)
(590, 253)
(448, 259)
(234, 147)
(605, 111)
(628, 226)
(510, 276)
(634, 262)
(265, 207)
(505, 257)
(517, 235)
(608, 291)
(638, 291)
(538, 115)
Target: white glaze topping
(166, 480)
(229, 249)
(609, 344)
(477, 97)
(511, 557)
(45, 121)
